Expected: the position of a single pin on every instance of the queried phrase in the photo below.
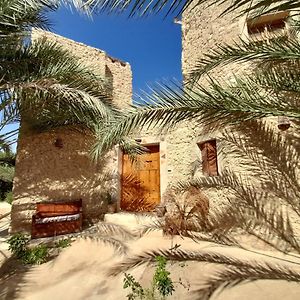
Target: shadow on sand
(12, 273)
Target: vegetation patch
(161, 287)
(63, 243)
(19, 246)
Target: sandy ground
(80, 272)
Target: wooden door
(141, 181)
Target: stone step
(132, 221)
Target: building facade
(56, 165)
(46, 173)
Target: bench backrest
(46, 209)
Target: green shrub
(64, 243)
(161, 278)
(161, 286)
(36, 255)
(18, 245)
(137, 291)
(9, 197)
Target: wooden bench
(55, 218)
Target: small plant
(137, 291)
(161, 286)
(64, 243)
(36, 255)
(9, 197)
(18, 245)
(161, 278)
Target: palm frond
(243, 51)
(7, 173)
(232, 276)
(199, 235)
(213, 105)
(4, 146)
(200, 256)
(18, 16)
(126, 144)
(251, 209)
(177, 7)
(110, 229)
(7, 163)
(140, 8)
(41, 81)
(120, 247)
(282, 78)
(49, 88)
(178, 255)
(255, 8)
(146, 229)
(273, 158)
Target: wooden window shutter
(209, 157)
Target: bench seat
(56, 218)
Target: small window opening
(268, 26)
(209, 157)
(109, 81)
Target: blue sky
(151, 45)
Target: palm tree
(142, 8)
(41, 81)
(260, 94)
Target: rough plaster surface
(46, 173)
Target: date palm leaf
(177, 7)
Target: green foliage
(177, 7)
(161, 283)
(36, 255)
(64, 243)
(42, 81)
(18, 245)
(137, 291)
(9, 197)
(161, 278)
(7, 169)
(5, 187)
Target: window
(268, 26)
(209, 157)
(109, 81)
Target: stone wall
(47, 173)
(180, 154)
(202, 30)
(181, 158)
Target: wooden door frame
(148, 141)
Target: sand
(80, 272)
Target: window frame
(268, 26)
(205, 161)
